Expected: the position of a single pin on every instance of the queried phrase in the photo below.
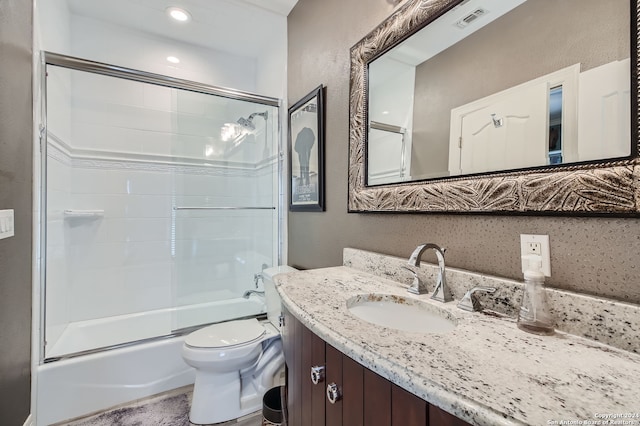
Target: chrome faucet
(470, 303)
(250, 292)
(257, 277)
(417, 286)
(441, 292)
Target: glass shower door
(160, 205)
(225, 213)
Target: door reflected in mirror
(496, 85)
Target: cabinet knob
(317, 374)
(333, 393)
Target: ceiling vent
(477, 13)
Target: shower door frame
(79, 64)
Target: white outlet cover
(545, 252)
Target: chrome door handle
(317, 374)
(333, 393)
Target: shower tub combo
(161, 207)
(83, 384)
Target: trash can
(272, 407)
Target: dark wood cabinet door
(377, 400)
(286, 332)
(287, 347)
(352, 392)
(334, 377)
(304, 371)
(367, 399)
(407, 409)
(295, 385)
(318, 391)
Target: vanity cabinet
(326, 387)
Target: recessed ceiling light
(179, 14)
(173, 59)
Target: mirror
(491, 104)
(497, 85)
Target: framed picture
(306, 153)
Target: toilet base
(227, 403)
(220, 397)
(206, 409)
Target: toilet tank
(274, 306)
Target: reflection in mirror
(498, 85)
(388, 152)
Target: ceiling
(243, 27)
(443, 32)
(282, 7)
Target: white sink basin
(401, 313)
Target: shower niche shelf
(83, 214)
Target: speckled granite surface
(486, 371)
(611, 322)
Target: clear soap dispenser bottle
(534, 314)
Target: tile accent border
(93, 159)
(607, 321)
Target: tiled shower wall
(126, 260)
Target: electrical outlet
(538, 245)
(533, 248)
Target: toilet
(237, 361)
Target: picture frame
(306, 153)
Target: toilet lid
(226, 334)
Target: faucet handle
(257, 277)
(417, 286)
(470, 303)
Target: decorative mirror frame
(596, 188)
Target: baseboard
(29, 421)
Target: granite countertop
(486, 371)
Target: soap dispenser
(534, 314)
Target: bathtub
(81, 385)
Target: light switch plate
(6, 223)
(536, 244)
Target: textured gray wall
(483, 63)
(15, 193)
(592, 255)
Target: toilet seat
(227, 335)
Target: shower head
(234, 134)
(264, 115)
(248, 122)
